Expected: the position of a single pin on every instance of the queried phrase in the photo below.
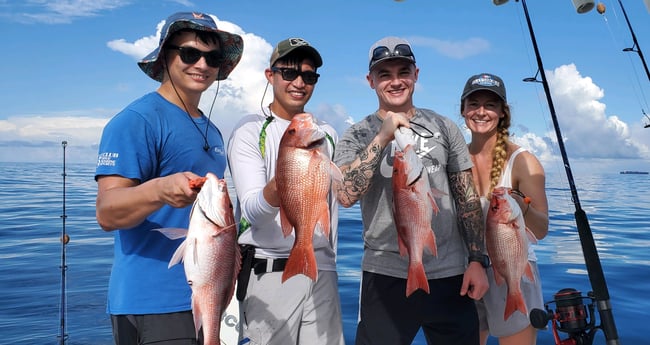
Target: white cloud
(587, 130)
(237, 96)
(62, 11)
(589, 134)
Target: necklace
(206, 145)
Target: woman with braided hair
(501, 163)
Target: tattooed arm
(469, 212)
(358, 174)
(472, 228)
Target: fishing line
(637, 88)
(543, 113)
(64, 241)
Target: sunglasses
(191, 56)
(383, 52)
(290, 74)
(423, 132)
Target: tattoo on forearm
(356, 180)
(468, 207)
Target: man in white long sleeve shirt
(298, 311)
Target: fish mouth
(315, 143)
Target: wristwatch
(483, 259)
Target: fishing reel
(571, 315)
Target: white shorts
(491, 307)
(298, 311)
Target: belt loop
(269, 265)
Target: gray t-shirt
(444, 151)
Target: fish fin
(177, 257)
(403, 249)
(437, 193)
(323, 223)
(531, 237)
(287, 227)
(434, 205)
(514, 302)
(301, 261)
(430, 243)
(335, 173)
(197, 314)
(416, 279)
(528, 273)
(497, 276)
(172, 233)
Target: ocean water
(31, 224)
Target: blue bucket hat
(232, 45)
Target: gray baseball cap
(390, 48)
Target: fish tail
(301, 261)
(514, 302)
(417, 279)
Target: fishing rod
(64, 241)
(635, 47)
(592, 261)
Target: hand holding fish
(175, 190)
(391, 122)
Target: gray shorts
(298, 311)
(491, 307)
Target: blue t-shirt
(150, 138)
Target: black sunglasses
(383, 52)
(191, 55)
(424, 133)
(290, 74)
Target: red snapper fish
(303, 177)
(210, 254)
(507, 246)
(413, 208)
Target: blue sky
(68, 66)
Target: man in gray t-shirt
(456, 275)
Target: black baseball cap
(485, 81)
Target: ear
(269, 75)
(370, 80)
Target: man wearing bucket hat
(298, 310)
(147, 155)
(455, 277)
(483, 105)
